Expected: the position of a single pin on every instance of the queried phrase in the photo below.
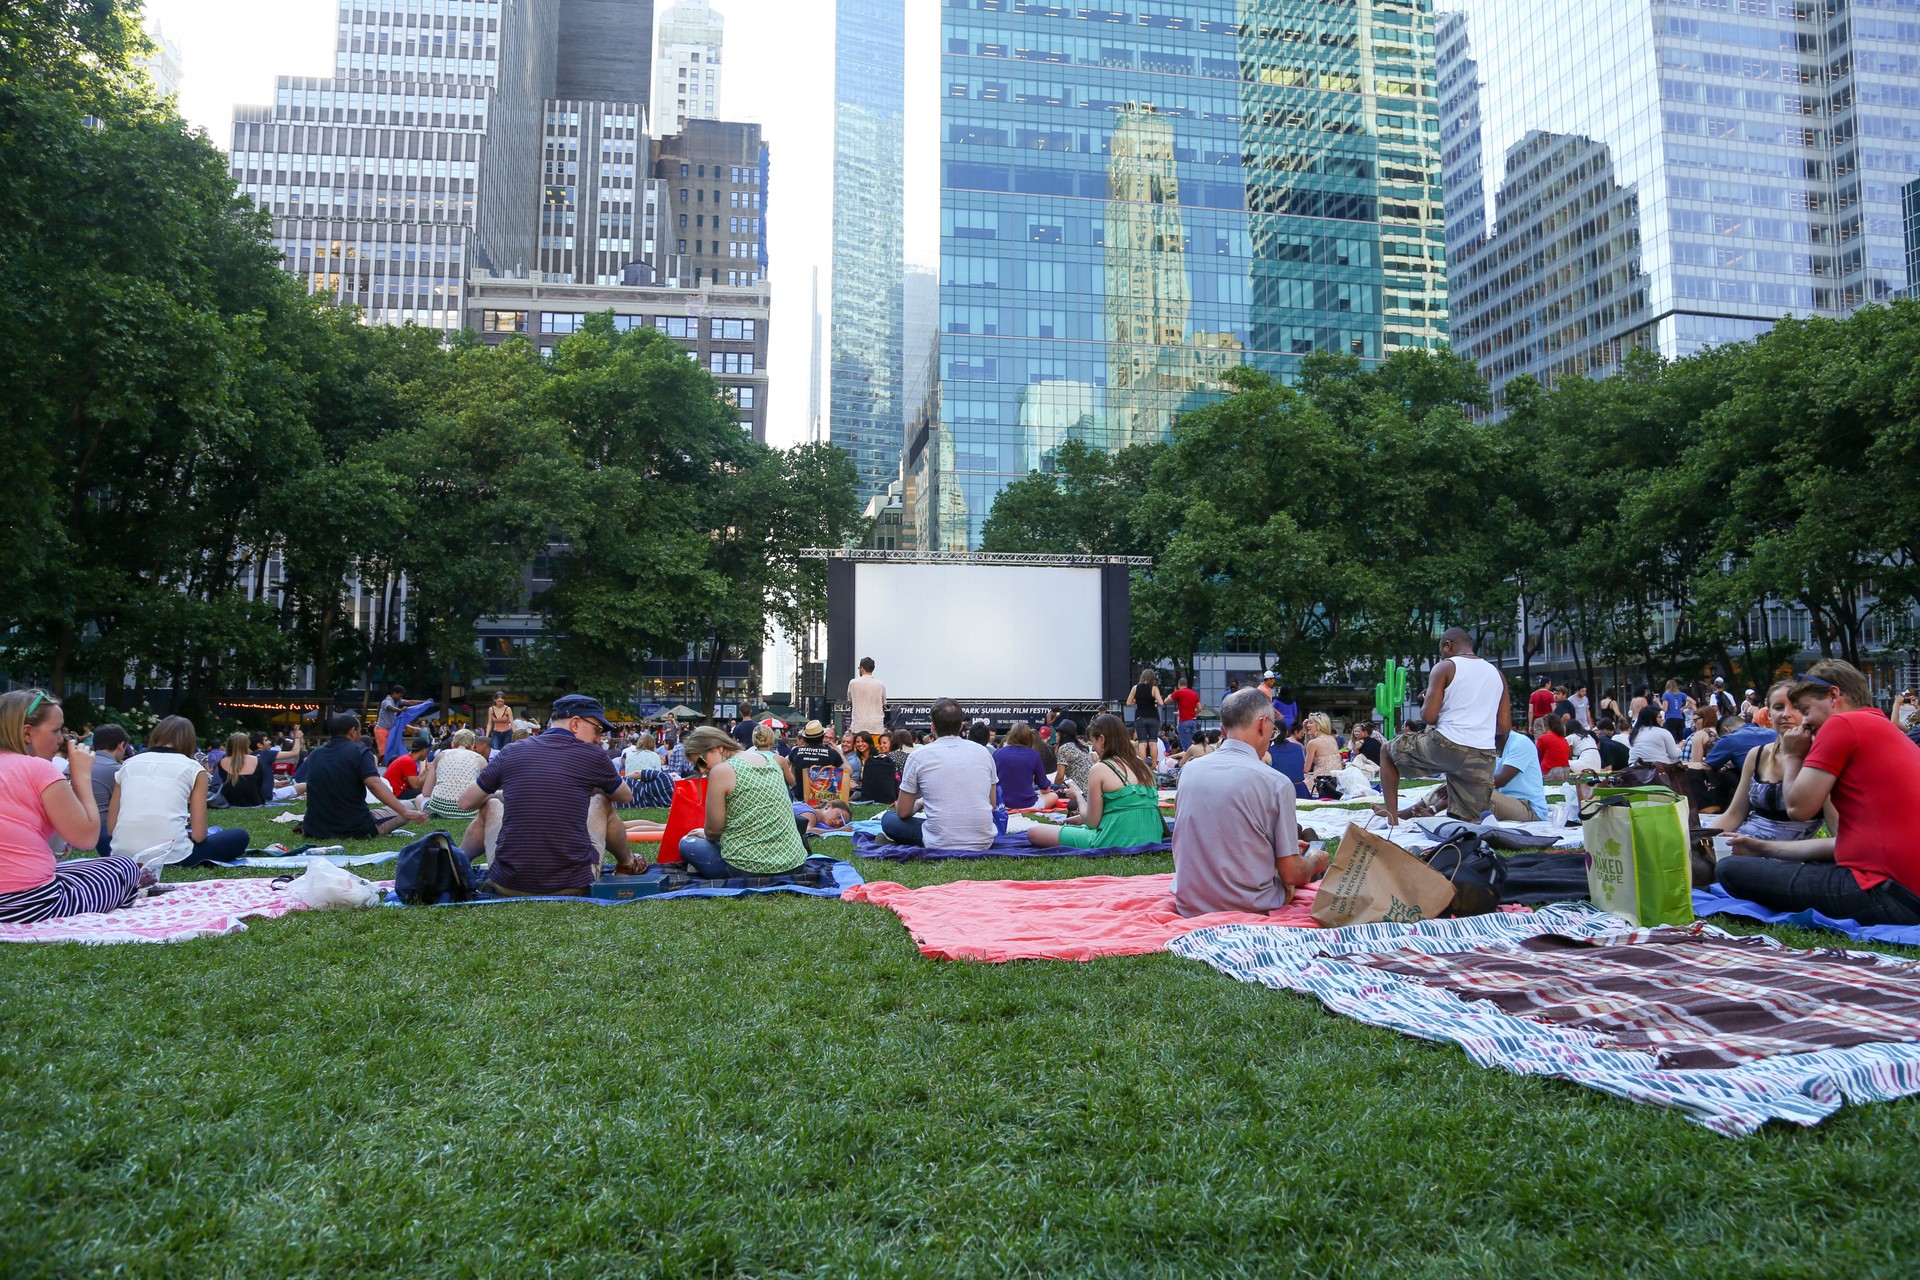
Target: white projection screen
(980, 632)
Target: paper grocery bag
(1637, 866)
(1371, 879)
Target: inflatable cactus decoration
(1389, 696)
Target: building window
(503, 322)
(561, 321)
(733, 330)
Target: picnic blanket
(295, 861)
(819, 878)
(1650, 991)
(192, 909)
(1714, 900)
(1080, 919)
(1011, 845)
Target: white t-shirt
(954, 779)
(1584, 753)
(1654, 745)
(156, 793)
(639, 758)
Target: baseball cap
(579, 704)
(1266, 675)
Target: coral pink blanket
(1081, 919)
(195, 909)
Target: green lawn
(783, 1086)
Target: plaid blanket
(1803, 1088)
(1690, 997)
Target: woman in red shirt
(1549, 739)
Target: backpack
(433, 870)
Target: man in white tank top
(1465, 706)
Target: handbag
(1371, 878)
(1478, 874)
(433, 870)
(687, 814)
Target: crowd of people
(1806, 780)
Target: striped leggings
(79, 886)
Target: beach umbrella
(684, 712)
(771, 723)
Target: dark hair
(946, 717)
(1109, 734)
(341, 723)
(396, 689)
(866, 664)
(1554, 724)
(110, 737)
(980, 732)
(863, 739)
(1649, 718)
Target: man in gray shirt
(1236, 845)
(954, 781)
(111, 747)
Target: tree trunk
(62, 654)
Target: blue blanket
(1716, 901)
(844, 878)
(1011, 845)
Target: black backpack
(432, 870)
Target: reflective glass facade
(1912, 205)
(1669, 173)
(1139, 197)
(864, 410)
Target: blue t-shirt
(1287, 713)
(1734, 746)
(1021, 776)
(1676, 705)
(1527, 784)
(1290, 758)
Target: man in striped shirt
(547, 784)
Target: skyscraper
(712, 181)
(1911, 203)
(687, 66)
(1135, 199)
(419, 155)
(1668, 173)
(865, 410)
(163, 65)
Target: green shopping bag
(1637, 864)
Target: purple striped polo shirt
(547, 781)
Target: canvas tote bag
(1372, 879)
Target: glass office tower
(1912, 205)
(1669, 173)
(1136, 198)
(864, 410)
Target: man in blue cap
(547, 786)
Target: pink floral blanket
(192, 909)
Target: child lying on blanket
(830, 815)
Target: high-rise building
(866, 412)
(1910, 202)
(1668, 173)
(712, 179)
(418, 156)
(597, 206)
(919, 334)
(163, 65)
(687, 66)
(1135, 199)
(605, 52)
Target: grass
(784, 1086)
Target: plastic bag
(326, 886)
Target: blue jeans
(901, 830)
(500, 738)
(1785, 885)
(703, 855)
(219, 846)
(1186, 733)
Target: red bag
(687, 813)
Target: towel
(1714, 900)
(1082, 919)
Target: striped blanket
(1767, 1062)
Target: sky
(779, 74)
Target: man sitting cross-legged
(1235, 841)
(954, 780)
(548, 785)
(340, 773)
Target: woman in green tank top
(749, 812)
(1121, 806)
